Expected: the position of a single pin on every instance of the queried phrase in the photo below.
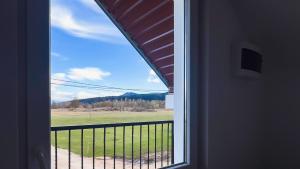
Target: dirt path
(99, 161)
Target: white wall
(235, 105)
(251, 123)
(169, 101)
(282, 87)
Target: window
(157, 31)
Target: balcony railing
(121, 145)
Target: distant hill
(128, 95)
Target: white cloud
(58, 95)
(88, 73)
(153, 78)
(92, 5)
(96, 93)
(57, 79)
(55, 54)
(59, 56)
(85, 94)
(63, 18)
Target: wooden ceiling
(149, 26)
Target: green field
(62, 118)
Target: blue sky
(87, 48)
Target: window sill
(177, 166)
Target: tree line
(113, 105)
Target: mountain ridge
(128, 96)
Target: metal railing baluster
(69, 150)
(132, 130)
(104, 146)
(55, 142)
(162, 145)
(140, 146)
(168, 135)
(148, 144)
(114, 147)
(93, 148)
(172, 143)
(81, 148)
(124, 155)
(155, 145)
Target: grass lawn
(64, 117)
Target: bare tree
(75, 103)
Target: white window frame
(179, 82)
(37, 56)
(192, 42)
